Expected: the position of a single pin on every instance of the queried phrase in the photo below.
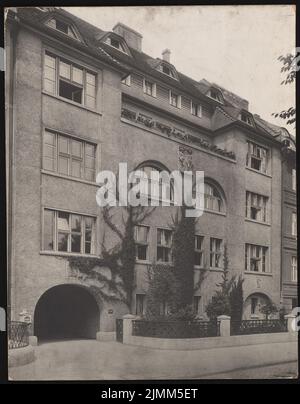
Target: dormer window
(168, 70)
(215, 94)
(196, 109)
(116, 43)
(175, 99)
(63, 27)
(246, 118)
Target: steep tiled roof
(224, 114)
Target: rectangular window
(69, 156)
(196, 109)
(164, 245)
(294, 180)
(149, 88)
(254, 302)
(256, 258)
(69, 81)
(256, 207)
(68, 232)
(215, 253)
(175, 99)
(142, 242)
(196, 304)
(294, 224)
(294, 276)
(257, 157)
(140, 304)
(199, 251)
(127, 80)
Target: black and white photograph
(151, 193)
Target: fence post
(127, 327)
(291, 318)
(224, 325)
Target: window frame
(127, 81)
(214, 253)
(68, 24)
(143, 295)
(262, 259)
(294, 224)
(57, 58)
(56, 230)
(168, 248)
(262, 206)
(198, 109)
(294, 268)
(153, 87)
(219, 199)
(139, 243)
(294, 179)
(57, 154)
(265, 161)
(178, 99)
(199, 251)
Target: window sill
(200, 268)
(75, 104)
(258, 222)
(259, 172)
(66, 177)
(142, 262)
(150, 95)
(164, 263)
(258, 273)
(215, 212)
(67, 254)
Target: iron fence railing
(18, 334)
(245, 327)
(119, 330)
(176, 329)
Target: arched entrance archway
(253, 304)
(66, 312)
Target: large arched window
(213, 198)
(159, 184)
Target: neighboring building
(81, 100)
(289, 228)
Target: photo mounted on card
(151, 194)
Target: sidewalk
(94, 360)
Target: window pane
(49, 138)
(65, 70)
(49, 61)
(49, 86)
(76, 168)
(48, 164)
(89, 150)
(88, 222)
(63, 221)
(90, 90)
(49, 73)
(87, 248)
(76, 243)
(48, 230)
(62, 242)
(76, 223)
(63, 145)
(77, 75)
(76, 148)
(63, 163)
(90, 162)
(90, 78)
(49, 151)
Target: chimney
(132, 37)
(166, 55)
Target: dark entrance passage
(66, 312)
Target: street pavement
(111, 360)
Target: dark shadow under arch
(66, 312)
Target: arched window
(159, 184)
(213, 199)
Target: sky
(234, 46)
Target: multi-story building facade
(81, 100)
(289, 228)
